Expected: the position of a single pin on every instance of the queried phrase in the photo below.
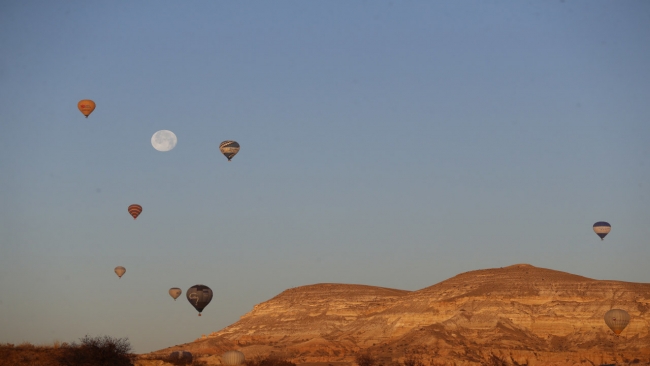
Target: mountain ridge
(524, 313)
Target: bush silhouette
(98, 351)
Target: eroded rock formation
(521, 314)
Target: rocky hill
(520, 314)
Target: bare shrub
(98, 351)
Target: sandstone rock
(520, 314)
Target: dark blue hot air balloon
(199, 296)
(180, 358)
(602, 228)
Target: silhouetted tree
(98, 351)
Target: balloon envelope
(86, 107)
(617, 320)
(135, 211)
(175, 292)
(602, 228)
(199, 296)
(232, 358)
(119, 270)
(183, 356)
(229, 148)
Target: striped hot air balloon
(229, 148)
(135, 211)
(617, 320)
(602, 228)
(232, 358)
(86, 107)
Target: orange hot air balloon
(135, 211)
(119, 271)
(86, 107)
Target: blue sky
(392, 144)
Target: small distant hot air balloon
(175, 292)
(181, 358)
(199, 296)
(617, 320)
(229, 148)
(86, 107)
(232, 358)
(135, 211)
(602, 228)
(119, 270)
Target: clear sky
(388, 143)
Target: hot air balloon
(229, 148)
(232, 358)
(175, 292)
(180, 358)
(86, 107)
(199, 296)
(119, 270)
(135, 211)
(602, 228)
(617, 320)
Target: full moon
(163, 140)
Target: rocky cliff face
(521, 314)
